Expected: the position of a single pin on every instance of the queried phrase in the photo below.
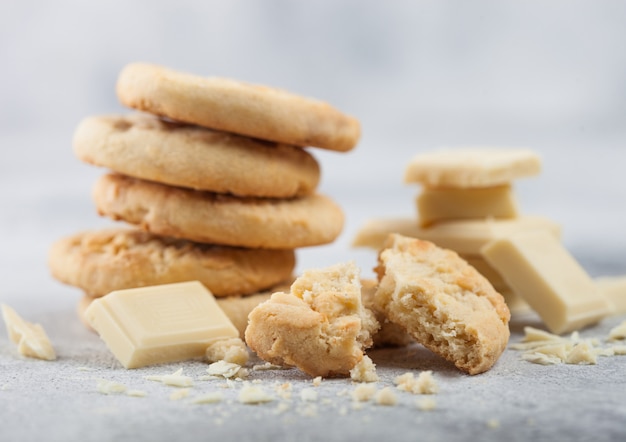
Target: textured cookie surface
(232, 106)
(144, 146)
(471, 167)
(320, 326)
(443, 302)
(219, 219)
(101, 261)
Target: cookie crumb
(231, 350)
(386, 396)
(209, 398)
(317, 381)
(364, 371)
(424, 384)
(308, 395)
(363, 392)
(426, 404)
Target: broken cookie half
(443, 302)
(321, 326)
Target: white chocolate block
(614, 289)
(164, 323)
(471, 167)
(483, 267)
(462, 236)
(540, 270)
(443, 204)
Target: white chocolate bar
(471, 167)
(483, 267)
(614, 289)
(540, 270)
(462, 236)
(442, 204)
(164, 323)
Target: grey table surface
(45, 196)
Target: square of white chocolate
(471, 167)
(538, 268)
(442, 204)
(157, 324)
(463, 236)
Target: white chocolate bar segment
(442, 204)
(614, 289)
(540, 270)
(462, 236)
(157, 324)
(471, 167)
(483, 267)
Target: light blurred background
(419, 75)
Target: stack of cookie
(215, 180)
(466, 201)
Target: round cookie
(102, 261)
(443, 302)
(145, 146)
(232, 106)
(319, 326)
(219, 219)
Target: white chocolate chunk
(448, 203)
(618, 332)
(465, 237)
(582, 353)
(251, 394)
(224, 369)
(539, 269)
(541, 358)
(31, 339)
(176, 379)
(165, 323)
(110, 387)
(614, 289)
(471, 167)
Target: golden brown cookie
(99, 262)
(219, 219)
(320, 326)
(232, 106)
(144, 146)
(390, 334)
(443, 302)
